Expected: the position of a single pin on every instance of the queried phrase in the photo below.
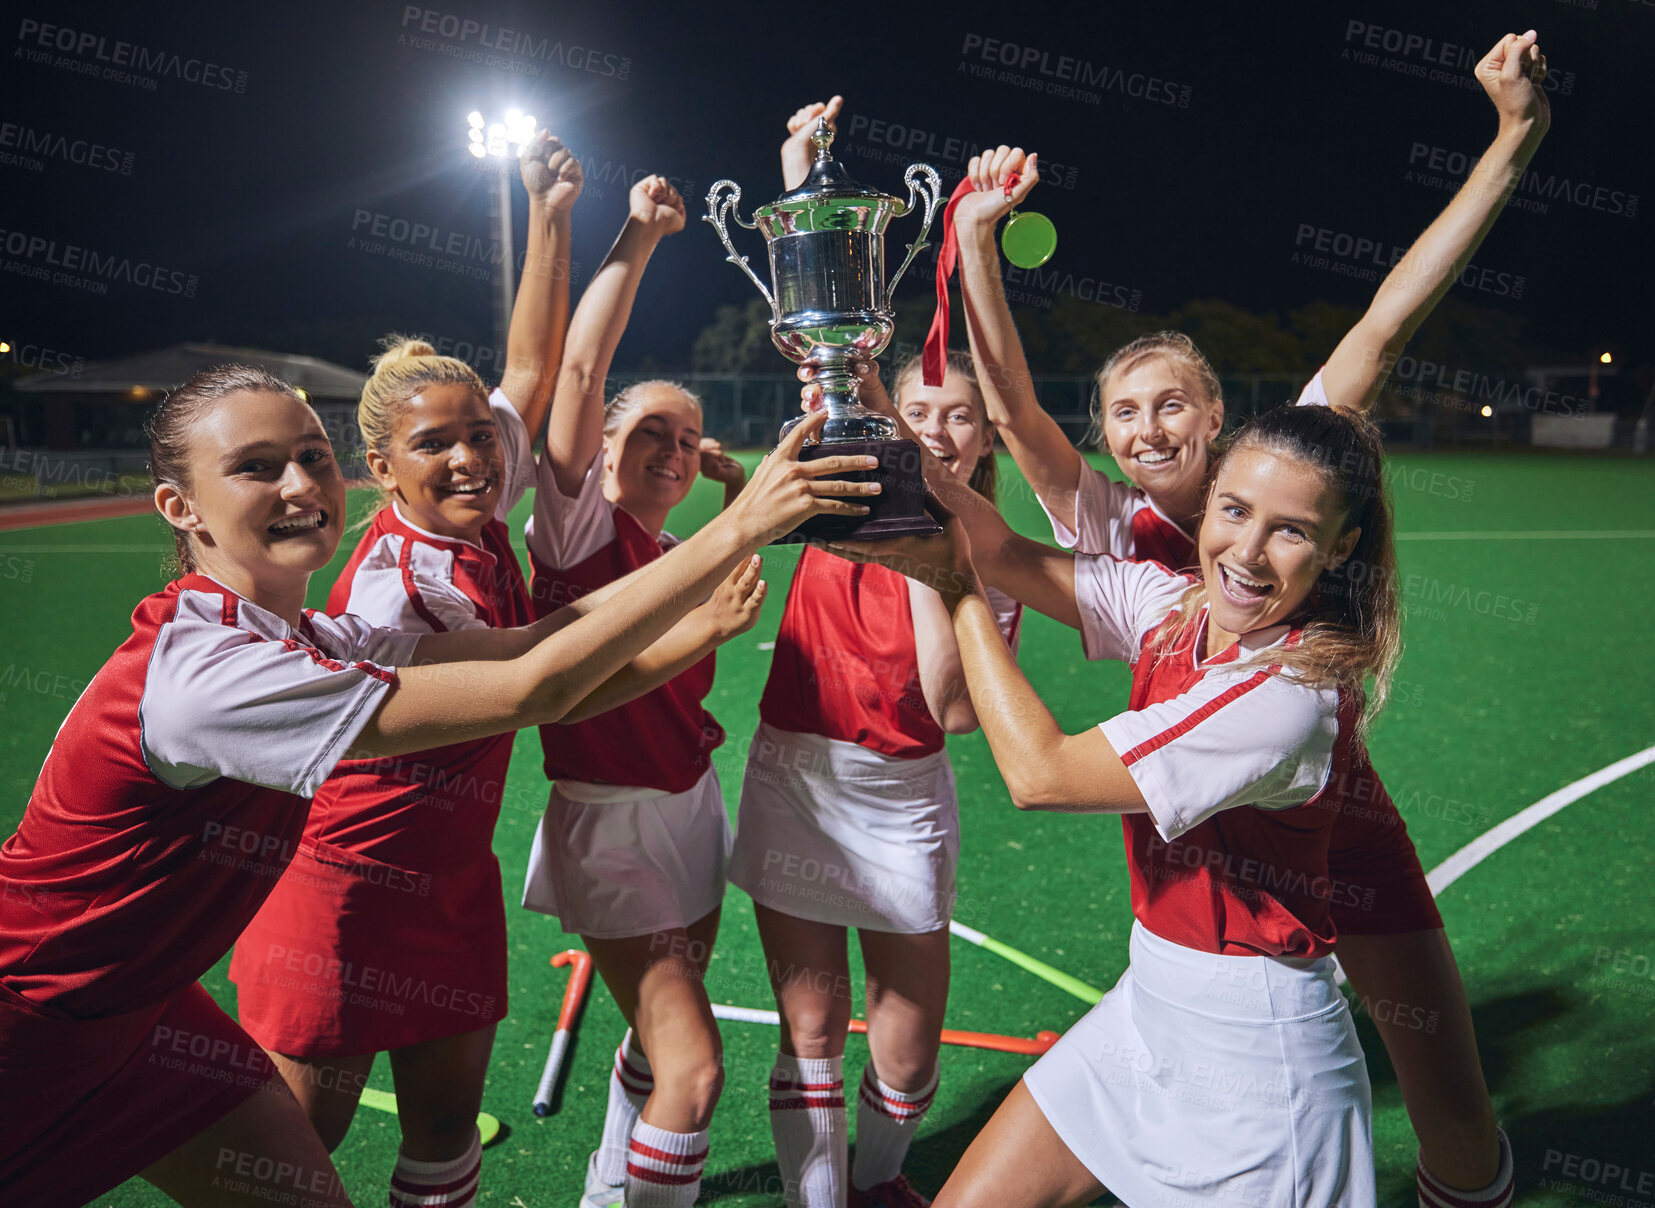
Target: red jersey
(1118, 518)
(1383, 887)
(175, 793)
(664, 739)
(431, 810)
(846, 666)
(1233, 763)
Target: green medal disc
(1028, 239)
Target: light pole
(1592, 378)
(501, 141)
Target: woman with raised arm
(847, 775)
(1224, 1065)
(849, 818)
(396, 869)
(1160, 409)
(176, 793)
(631, 851)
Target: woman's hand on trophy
(734, 607)
(784, 492)
(797, 152)
(551, 173)
(655, 205)
(992, 201)
(870, 390)
(940, 561)
(719, 466)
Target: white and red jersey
(846, 666)
(665, 739)
(1232, 856)
(1379, 885)
(1118, 518)
(175, 793)
(405, 578)
(433, 809)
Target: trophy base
(897, 511)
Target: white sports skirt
(834, 832)
(1214, 1080)
(615, 861)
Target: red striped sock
(630, 1085)
(886, 1121)
(450, 1184)
(807, 1119)
(1434, 1193)
(663, 1169)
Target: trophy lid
(828, 177)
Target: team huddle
(318, 789)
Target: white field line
(1496, 837)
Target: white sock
(1434, 1193)
(663, 1169)
(630, 1085)
(886, 1121)
(450, 1184)
(807, 1119)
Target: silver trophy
(831, 307)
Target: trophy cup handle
(922, 181)
(719, 208)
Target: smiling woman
(176, 794)
(249, 478)
(1244, 726)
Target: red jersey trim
(406, 566)
(1150, 745)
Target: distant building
(101, 405)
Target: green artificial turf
(1525, 670)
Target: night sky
(252, 143)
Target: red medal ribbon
(934, 357)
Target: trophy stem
(848, 419)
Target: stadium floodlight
(504, 139)
(501, 140)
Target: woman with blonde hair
(1224, 1065)
(630, 853)
(176, 793)
(1160, 411)
(396, 871)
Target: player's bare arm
(1045, 456)
(458, 701)
(575, 429)
(1044, 768)
(539, 316)
(1512, 74)
(941, 674)
(733, 610)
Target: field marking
(1536, 535)
(1496, 837)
